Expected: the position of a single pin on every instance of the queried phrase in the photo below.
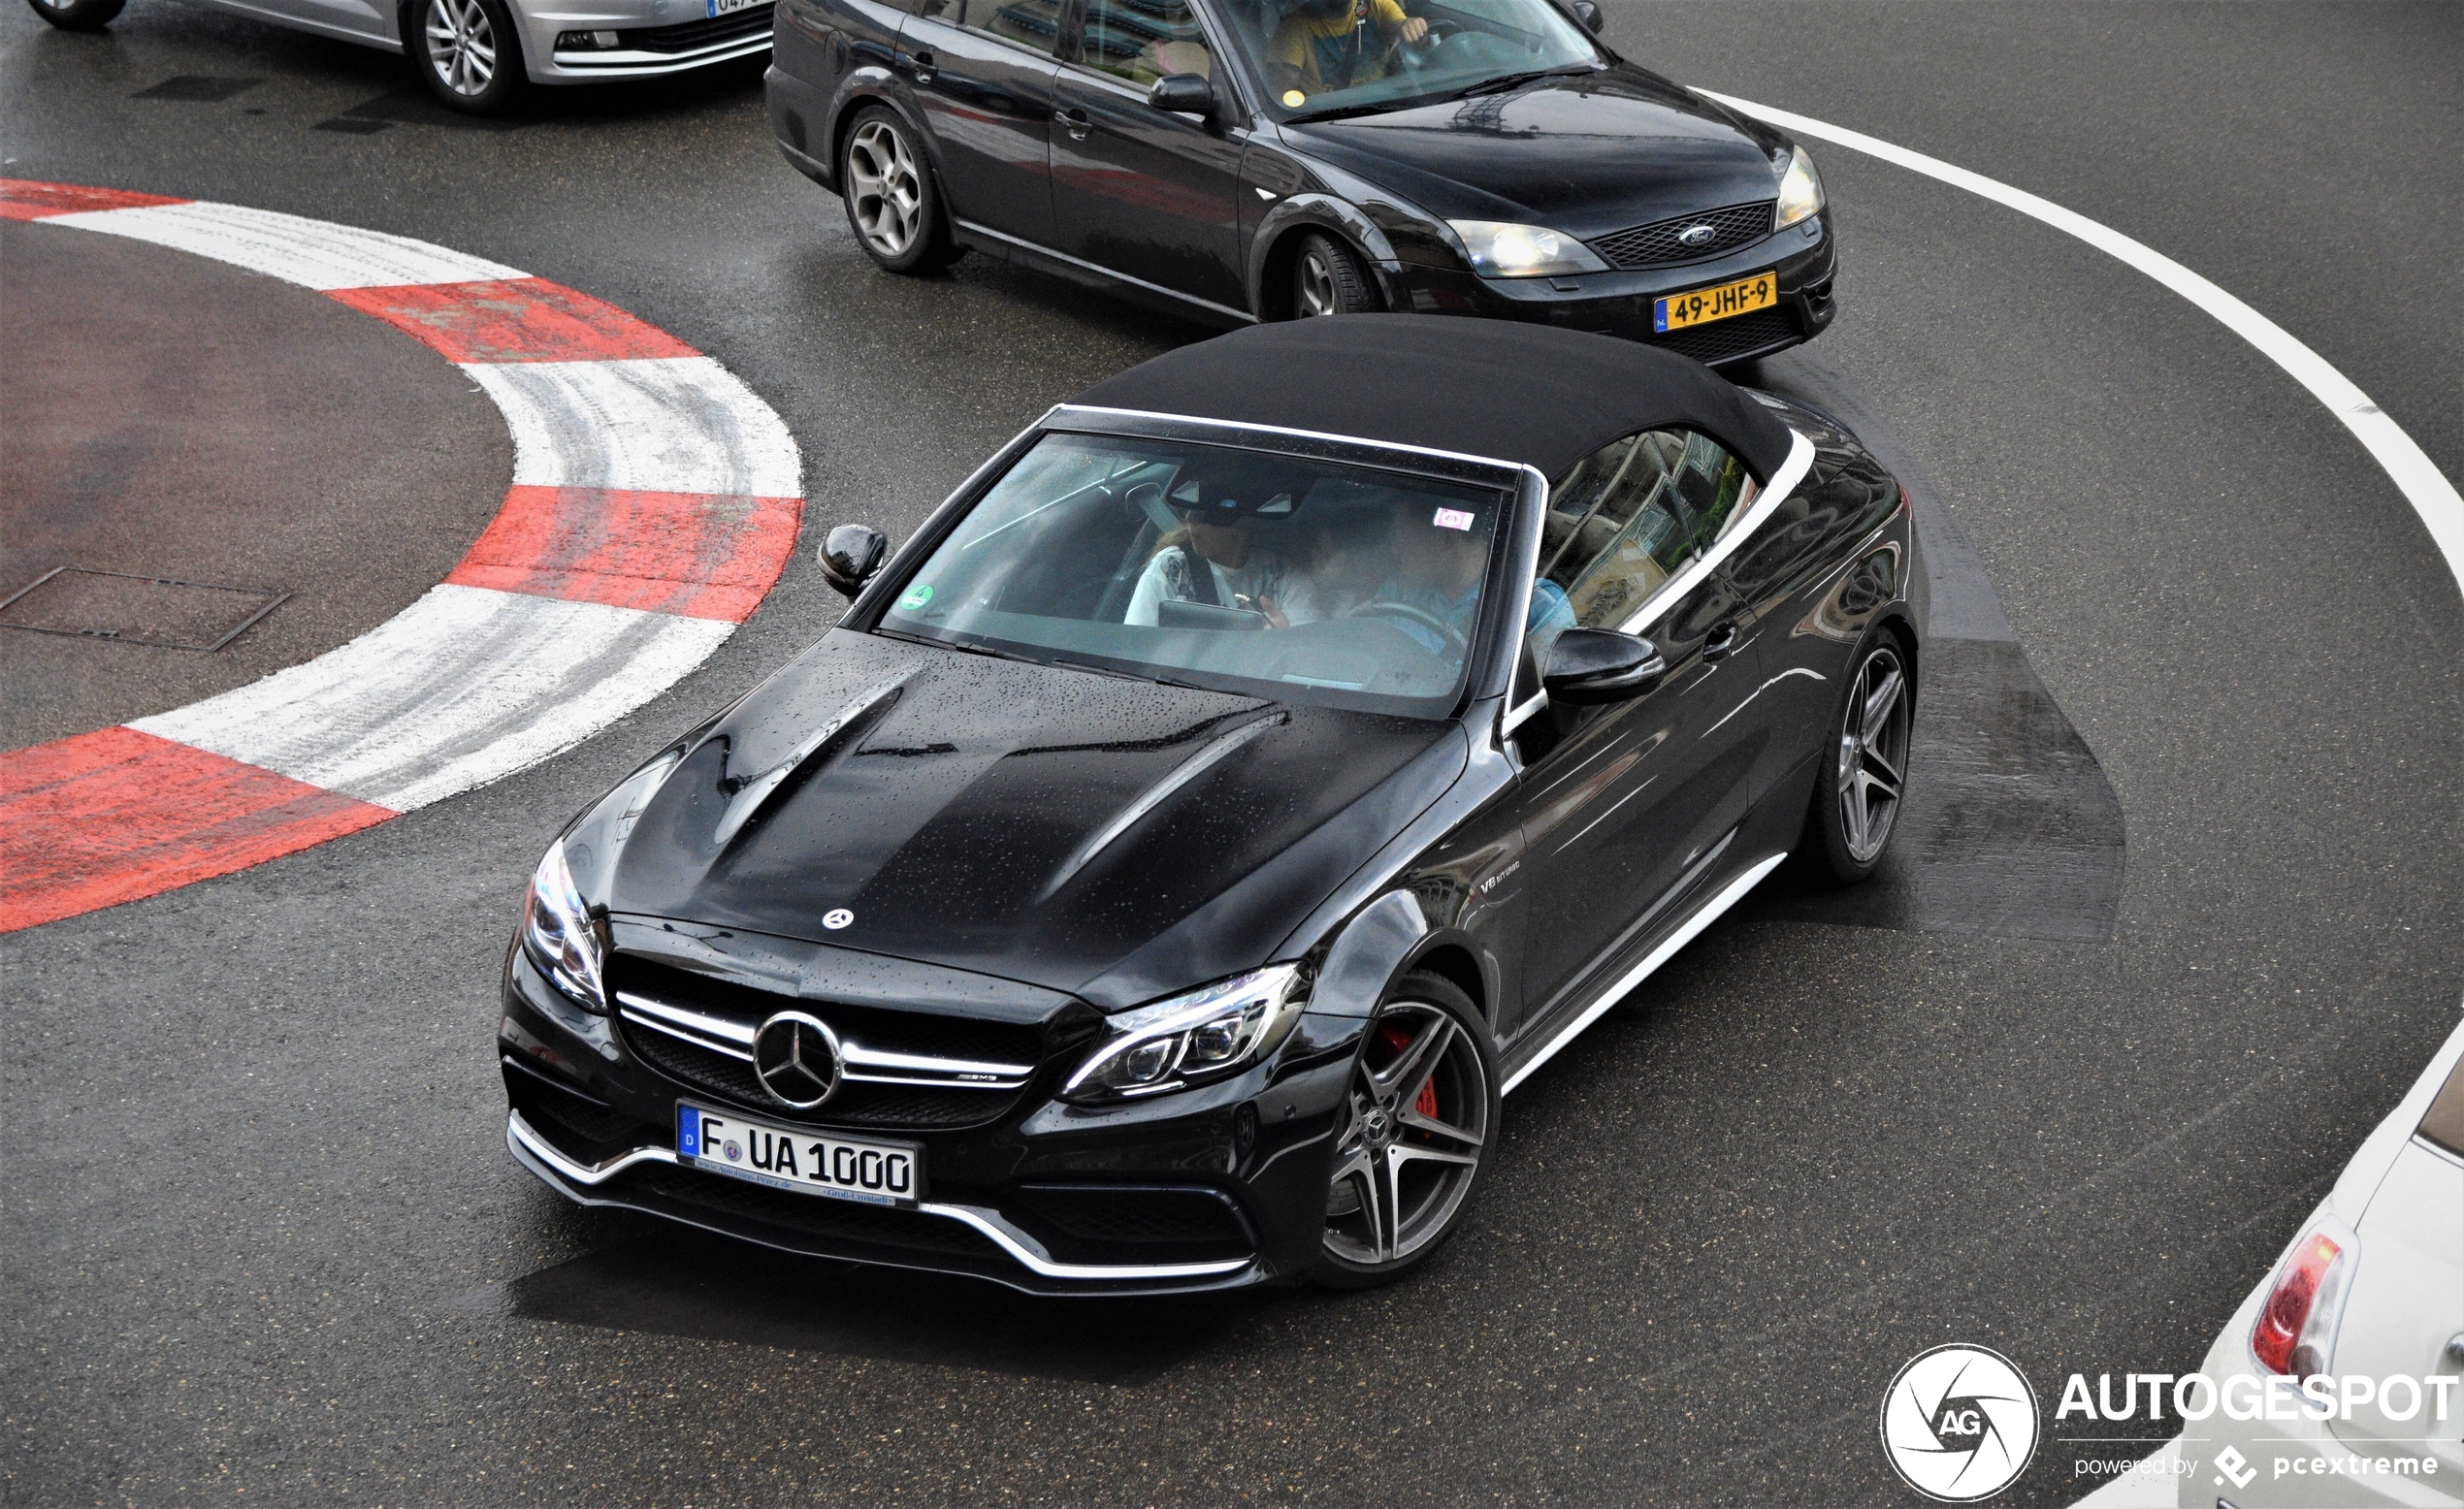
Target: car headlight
(558, 935)
(1801, 191)
(1206, 1035)
(1500, 249)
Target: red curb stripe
(526, 319)
(117, 815)
(696, 555)
(24, 199)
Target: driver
(1326, 43)
(1210, 558)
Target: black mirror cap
(1589, 14)
(1589, 665)
(851, 555)
(1184, 94)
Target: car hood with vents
(1113, 838)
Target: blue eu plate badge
(688, 1132)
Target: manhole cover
(137, 610)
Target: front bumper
(650, 42)
(1220, 1187)
(1619, 303)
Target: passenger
(1327, 44)
(1433, 592)
(1216, 515)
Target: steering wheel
(1388, 608)
(1413, 56)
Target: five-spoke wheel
(889, 188)
(1419, 1123)
(1328, 277)
(1856, 806)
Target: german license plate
(1703, 305)
(877, 1174)
(723, 6)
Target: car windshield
(1337, 57)
(1236, 569)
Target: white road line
(2432, 495)
(659, 425)
(316, 254)
(461, 687)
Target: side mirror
(851, 555)
(1589, 14)
(1183, 94)
(1592, 665)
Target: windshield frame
(1505, 587)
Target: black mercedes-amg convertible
(1254, 772)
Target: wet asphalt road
(262, 1241)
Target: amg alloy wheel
(1857, 804)
(1420, 1126)
(467, 53)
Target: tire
(1422, 1124)
(894, 202)
(78, 15)
(1328, 277)
(467, 53)
(1862, 781)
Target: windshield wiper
(1346, 112)
(1504, 82)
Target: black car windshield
(1337, 57)
(1241, 570)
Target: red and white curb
(655, 500)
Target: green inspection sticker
(917, 596)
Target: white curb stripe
(312, 253)
(660, 424)
(2432, 495)
(463, 687)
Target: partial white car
(2370, 1288)
(477, 55)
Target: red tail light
(2297, 1325)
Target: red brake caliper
(1396, 1040)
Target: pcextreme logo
(1959, 1423)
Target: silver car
(478, 56)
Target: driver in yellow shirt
(1328, 45)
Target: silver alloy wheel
(1418, 1123)
(462, 46)
(1873, 753)
(1317, 285)
(884, 188)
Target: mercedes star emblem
(797, 1059)
(1698, 235)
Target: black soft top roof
(1516, 392)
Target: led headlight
(558, 935)
(1801, 191)
(1189, 1040)
(1500, 249)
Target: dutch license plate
(877, 1174)
(723, 6)
(1703, 305)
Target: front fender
(1312, 209)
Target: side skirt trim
(1709, 913)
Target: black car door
(1139, 192)
(983, 72)
(1626, 806)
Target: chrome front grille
(912, 1071)
(1659, 245)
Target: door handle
(1722, 641)
(922, 65)
(1077, 121)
